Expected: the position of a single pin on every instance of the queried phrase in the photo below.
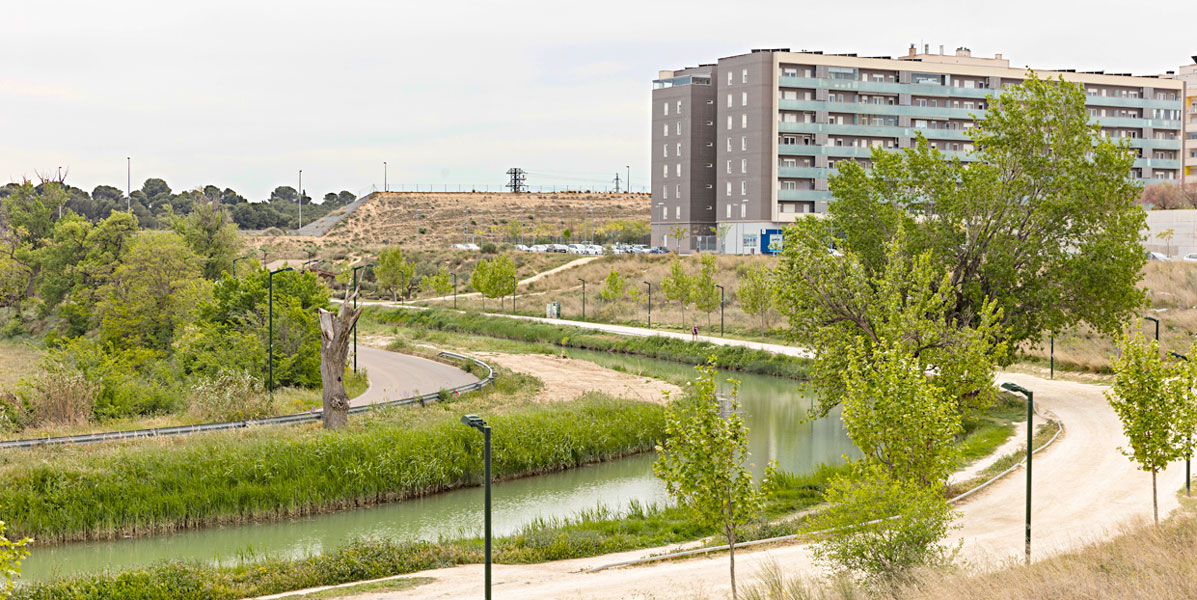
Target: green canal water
(774, 410)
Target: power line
(517, 180)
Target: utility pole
(617, 183)
(517, 178)
(301, 198)
(627, 182)
(384, 176)
(129, 183)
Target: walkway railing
(304, 417)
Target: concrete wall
(1183, 224)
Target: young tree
(393, 272)
(702, 287)
(1043, 221)
(11, 555)
(494, 278)
(755, 291)
(703, 461)
(677, 233)
(615, 287)
(1154, 400)
(678, 286)
(440, 282)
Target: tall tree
(704, 460)
(678, 286)
(1042, 221)
(393, 272)
(210, 232)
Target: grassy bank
(732, 358)
(156, 486)
(593, 533)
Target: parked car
(1190, 257)
(561, 248)
(540, 248)
(1157, 257)
(522, 248)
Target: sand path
(566, 378)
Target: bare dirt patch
(566, 378)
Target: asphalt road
(394, 376)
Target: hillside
(437, 220)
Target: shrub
(489, 248)
(231, 395)
(62, 398)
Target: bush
(489, 248)
(231, 395)
(63, 398)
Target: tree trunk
(731, 542)
(335, 333)
(1155, 503)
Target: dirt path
(569, 265)
(1084, 489)
(567, 378)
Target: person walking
(694, 333)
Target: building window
(677, 212)
(679, 169)
(744, 77)
(729, 211)
(665, 193)
(679, 149)
(730, 78)
(664, 213)
(743, 165)
(679, 127)
(729, 166)
(744, 215)
(666, 134)
(665, 171)
(743, 121)
(729, 144)
(743, 98)
(743, 188)
(729, 100)
(729, 121)
(678, 191)
(665, 150)
(744, 142)
(679, 107)
(667, 109)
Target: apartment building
(1188, 75)
(758, 134)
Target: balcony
(804, 172)
(872, 131)
(864, 108)
(1136, 123)
(884, 87)
(810, 195)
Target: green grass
(17, 360)
(157, 486)
(733, 358)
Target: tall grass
(159, 486)
(734, 358)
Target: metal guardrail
(304, 417)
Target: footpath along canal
(774, 409)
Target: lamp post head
(282, 269)
(475, 421)
(1151, 319)
(718, 286)
(1017, 389)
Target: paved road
(394, 376)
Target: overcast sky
(245, 94)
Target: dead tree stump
(335, 333)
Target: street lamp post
(583, 298)
(1188, 458)
(1018, 389)
(650, 303)
(628, 179)
(355, 270)
(129, 183)
(271, 345)
(720, 309)
(301, 198)
(1053, 358)
(305, 264)
(384, 177)
(1157, 327)
(235, 264)
(477, 423)
(515, 285)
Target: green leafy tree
(210, 232)
(754, 289)
(155, 289)
(841, 309)
(393, 272)
(441, 282)
(882, 527)
(11, 555)
(494, 278)
(1154, 400)
(615, 287)
(27, 216)
(1043, 221)
(702, 287)
(703, 461)
(678, 286)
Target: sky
(245, 94)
